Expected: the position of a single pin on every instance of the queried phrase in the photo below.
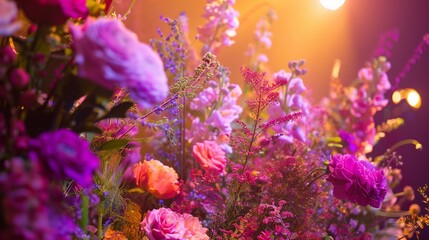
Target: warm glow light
(413, 98)
(332, 4)
(336, 69)
(396, 97)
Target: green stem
(416, 143)
(321, 175)
(397, 145)
(100, 223)
(85, 212)
(313, 171)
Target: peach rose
(210, 156)
(156, 178)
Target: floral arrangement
(107, 137)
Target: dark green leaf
(114, 144)
(118, 111)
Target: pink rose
(195, 230)
(111, 56)
(8, 13)
(53, 12)
(156, 178)
(210, 156)
(163, 223)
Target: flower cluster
(106, 137)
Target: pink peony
(357, 180)
(210, 156)
(111, 56)
(163, 223)
(8, 14)
(156, 178)
(53, 12)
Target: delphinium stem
(85, 212)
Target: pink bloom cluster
(163, 223)
(111, 56)
(290, 100)
(222, 19)
(358, 104)
(222, 100)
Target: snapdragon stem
(100, 223)
(314, 180)
(85, 212)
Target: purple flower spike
(357, 180)
(66, 155)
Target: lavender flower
(357, 180)
(66, 155)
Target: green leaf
(89, 128)
(114, 144)
(118, 111)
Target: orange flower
(156, 178)
(114, 235)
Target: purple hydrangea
(357, 180)
(66, 155)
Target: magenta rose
(110, 55)
(66, 155)
(357, 180)
(53, 12)
(163, 223)
(210, 156)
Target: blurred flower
(8, 14)
(357, 180)
(53, 12)
(110, 55)
(66, 156)
(156, 178)
(210, 156)
(19, 78)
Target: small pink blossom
(204, 99)
(296, 85)
(282, 75)
(210, 156)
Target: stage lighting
(332, 4)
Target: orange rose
(156, 178)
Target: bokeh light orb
(332, 4)
(413, 99)
(396, 97)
